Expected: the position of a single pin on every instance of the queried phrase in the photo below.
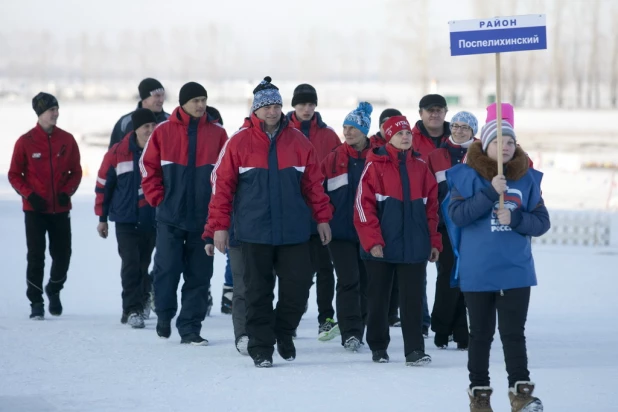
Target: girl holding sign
(496, 269)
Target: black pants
(351, 299)
(449, 308)
(292, 265)
(58, 228)
(239, 309)
(325, 279)
(393, 309)
(179, 251)
(135, 249)
(411, 278)
(512, 311)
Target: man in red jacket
(431, 131)
(324, 140)
(176, 165)
(269, 175)
(45, 171)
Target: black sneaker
(37, 311)
(263, 361)
(226, 300)
(124, 318)
(462, 345)
(195, 340)
(441, 340)
(394, 322)
(55, 306)
(379, 356)
(164, 329)
(286, 348)
(425, 332)
(417, 358)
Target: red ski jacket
(46, 164)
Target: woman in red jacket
(396, 217)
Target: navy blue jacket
(119, 194)
(342, 170)
(124, 125)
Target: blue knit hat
(360, 117)
(266, 94)
(466, 117)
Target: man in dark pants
(269, 174)
(176, 166)
(119, 196)
(152, 97)
(45, 171)
(324, 140)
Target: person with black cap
(152, 96)
(268, 173)
(176, 166)
(119, 198)
(324, 140)
(45, 171)
(431, 131)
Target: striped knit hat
(490, 131)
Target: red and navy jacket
(396, 207)
(342, 170)
(377, 140)
(423, 143)
(119, 194)
(273, 185)
(440, 160)
(46, 164)
(176, 165)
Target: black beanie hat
(42, 102)
(190, 91)
(148, 86)
(142, 116)
(304, 93)
(388, 113)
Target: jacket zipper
(51, 166)
(501, 292)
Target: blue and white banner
(498, 35)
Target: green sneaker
(328, 330)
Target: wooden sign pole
(499, 122)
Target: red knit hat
(394, 125)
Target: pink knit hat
(508, 113)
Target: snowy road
(87, 361)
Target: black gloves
(37, 202)
(64, 199)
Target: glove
(37, 202)
(64, 199)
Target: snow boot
(263, 361)
(379, 356)
(164, 329)
(328, 330)
(242, 345)
(394, 322)
(136, 321)
(480, 398)
(417, 358)
(226, 300)
(286, 348)
(441, 340)
(521, 398)
(195, 340)
(37, 311)
(55, 306)
(352, 344)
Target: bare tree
(593, 99)
(614, 64)
(558, 84)
(482, 72)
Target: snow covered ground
(86, 360)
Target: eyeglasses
(463, 128)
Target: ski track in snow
(86, 360)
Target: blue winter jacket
(491, 256)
